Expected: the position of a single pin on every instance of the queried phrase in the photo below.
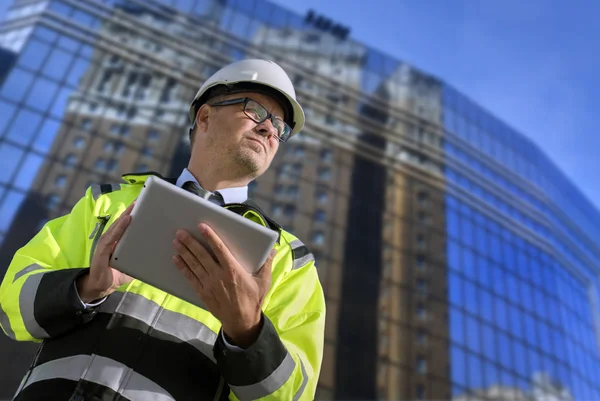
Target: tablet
(145, 249)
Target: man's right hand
(102, 280)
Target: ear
(202, 117)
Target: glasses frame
(269, 115)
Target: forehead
(267, 101)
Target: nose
(266, 128)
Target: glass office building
(458, 262)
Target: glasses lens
(256, 111)
(285, 134)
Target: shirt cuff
(230, 346)
(91, 304)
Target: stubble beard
(247, 161)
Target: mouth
(261, 143)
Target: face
(230, 137)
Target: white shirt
(230, 195)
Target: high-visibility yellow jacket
(143, 343)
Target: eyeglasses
(259, 114)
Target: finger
(222, 253)
(109, 239)
(197, 249)
(123, 216)
(187, 273)
(265, 270)
(189, 258)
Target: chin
(252, 162)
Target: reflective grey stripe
(298, 263)
(96, 191)
(296, 244)
(26, 304)
(111, 303)
(304, 382)
(28, 269)
(175, 324)
(103, 371)
(5, 323)
(304, 260)
(268, 385)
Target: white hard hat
(253, 75)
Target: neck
(213, 178)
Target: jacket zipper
(97, 233)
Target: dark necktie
(194, 188)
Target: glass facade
(457, 261)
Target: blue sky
(533, 64)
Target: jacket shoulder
(130, 181)
(97, 190)
(301, 254)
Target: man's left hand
(229, 292)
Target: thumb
(265, 271)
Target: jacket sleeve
(285, 361)
(38, 298)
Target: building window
(78, 143)
(321, 196)
(111, 165)
(422, 216)
(61, 180)
(324, 173)
(320, 216)
(421, 262)
(312, 38)
(86, 124)
(421, 365)
(326, 155)
(299, 151)
(292, 191)
(421, 312)
(422, 338)
(118, 129)
(420, 392)
(70, 160)
(330, 120)
(289, 210)
(147, 152)
(152, 135)
(420, 241)
(52, 201)
(422, 197)
(421, 286)
(100, 164)
(142, 167)
(318, 238)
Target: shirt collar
(230, 195)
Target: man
(105, 336)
